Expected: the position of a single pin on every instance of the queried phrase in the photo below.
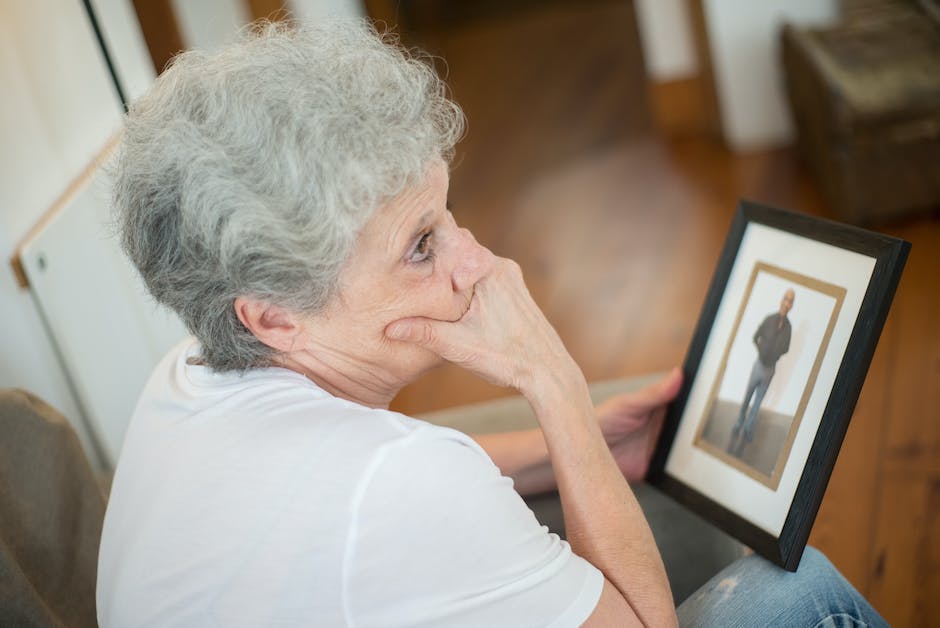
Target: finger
(656, 426)
(419, 331)
(662, 391)
(668, 387)
(446, 339)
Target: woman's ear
(273, 325)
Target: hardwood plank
(845, 526)
(679, 107)
(927, 602)
(915, 385)
(899, 550)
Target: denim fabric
(754, 592)
(757, 387)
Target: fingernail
(396, 331)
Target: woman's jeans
(754, 592)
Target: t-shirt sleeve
(440, 537)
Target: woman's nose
(474, 262)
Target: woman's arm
(629, 422)
(522, 456)
(603, 521)
(505, 338)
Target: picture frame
(773, 372)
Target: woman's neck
(343, 377)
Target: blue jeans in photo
(756, 387)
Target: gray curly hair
(249, 171)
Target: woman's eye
(422, 251)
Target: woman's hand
(503, 337)
(631, 422)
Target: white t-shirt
(258, 499)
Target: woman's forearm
(603, 521)
(523, 456)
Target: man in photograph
(772, 340)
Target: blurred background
(609, 143)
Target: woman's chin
(413, 362)
(430, 361)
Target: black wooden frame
(890, 256)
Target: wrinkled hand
(503, 337)
(631, 423)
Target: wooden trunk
(866, 99)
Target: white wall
(744, 37)
(745, 49)
(666, 37)
(207, 24)
(313, 10)
(58, 109)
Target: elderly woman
(287, 197)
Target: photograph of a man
(767, 373)
(772, 340)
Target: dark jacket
(772, 339)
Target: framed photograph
(775, 367)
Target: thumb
(420, 331)
(444, 338)
(666, 389)
(660, 392)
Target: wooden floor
(618, 230)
